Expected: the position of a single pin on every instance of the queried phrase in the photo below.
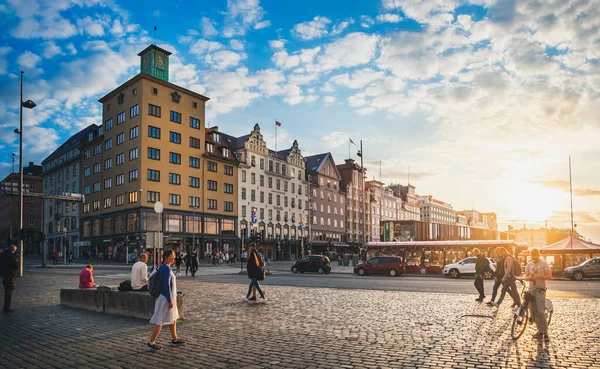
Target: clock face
(160, 61)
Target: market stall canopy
(571, 245)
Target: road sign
(254, 219)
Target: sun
(524, 201)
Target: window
(97, 150)
(174, 199)
(107, 183)
(120, 179)
(228, 188)
(228, 206)
(175, 117)
(174, 178)
(211, 166)
(154, 91)
(120, 138)
(175, 137)
(153, 132)
(195, 182)
(154, 110)
(243, 211)
(194, 105)
(133, 175)
(86, 154)
(212, 204)
(108, 163)
(210, 148)
(285, 201)
(270, 182)
(153, 175)
(212, 185)
(133, 132)
(243, 193)
(262, 163)
(285, 186)
(134, 110)
(278, 200)
(107, 202)
(194, 162)
(243, 176)
(153, 153)
(278, 184)
(108, 125)
(153, 196)
(120, 200)
(134, 92)
(253, 178)
(86, 172)
(174, 158)
(97, 187)
(133, 154)
(194, 142)
(86, 190)
(270, 198)
(121, 118)
(133, 197)
(252, 195)
(262, 196)
(96, 170)
(194, 122)
(270, 165)
(228, 170)
(194, 202)
(96, 205)
(108, 144)
(226, 152)
(262, 180)
(120, 159)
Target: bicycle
(523, 315)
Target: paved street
(298, 327)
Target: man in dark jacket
(480, 268)
(498, 278)
(9, 267)
(254, 268)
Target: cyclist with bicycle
(537, 273)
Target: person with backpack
(165, 307)
(512, 269)
(481, 266)
(498, 278)
(194, 259)
(255, 273)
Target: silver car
(588, 269)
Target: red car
(381, 265)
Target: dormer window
(226, 152)
(216, 138)
(210, 148)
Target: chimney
(30, 164)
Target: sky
(481, 102)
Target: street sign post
(158, 208)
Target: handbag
(261, 275)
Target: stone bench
(108, 299)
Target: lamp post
(29, 105)
(65, 243)
(362, 176)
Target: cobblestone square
(296, 328)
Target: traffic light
(258, 237)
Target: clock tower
(155, 62)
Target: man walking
(194, 257)
(498, 279)
(9, 267)
(507, 279)
(139, 274)
(480, 268)
(537, 273)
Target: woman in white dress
(165, 307)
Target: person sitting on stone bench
(139, 274)
(86, 279)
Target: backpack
(516, 267)
(125, 286)
(154, 287)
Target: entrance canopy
(443, 244)
(571, 245)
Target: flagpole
(276, 139)
(571, 193)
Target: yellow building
(153, 148)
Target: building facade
(357, 199)
(32, 211)
(410, 206)
(60, 176)
(385, 205)
(327, 205)
(152, 149)
(273, 196)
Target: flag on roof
(352, 142)
(277, 124)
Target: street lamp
(29, 105)
(65, 242)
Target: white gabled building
(273, 187)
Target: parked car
(467, 267)
(313, 263)
(332, 255)
(381, 265)
(588, 269)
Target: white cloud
(388, 18)
(208, 27)
(71, 48)
(340, 27)
(202, 47)
(286, 61)
(236, 45)
(276, 44)
(93, 27)
(352, 50)
(117, 28)
(28, 60)
(366, 21)
(225, 59)
(335, 139)
(4, 51)
(243, 15)
(315, 28)
(329, 99)
(51, 50)
(358, 79)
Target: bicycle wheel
(549, 310)
(519, 324)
